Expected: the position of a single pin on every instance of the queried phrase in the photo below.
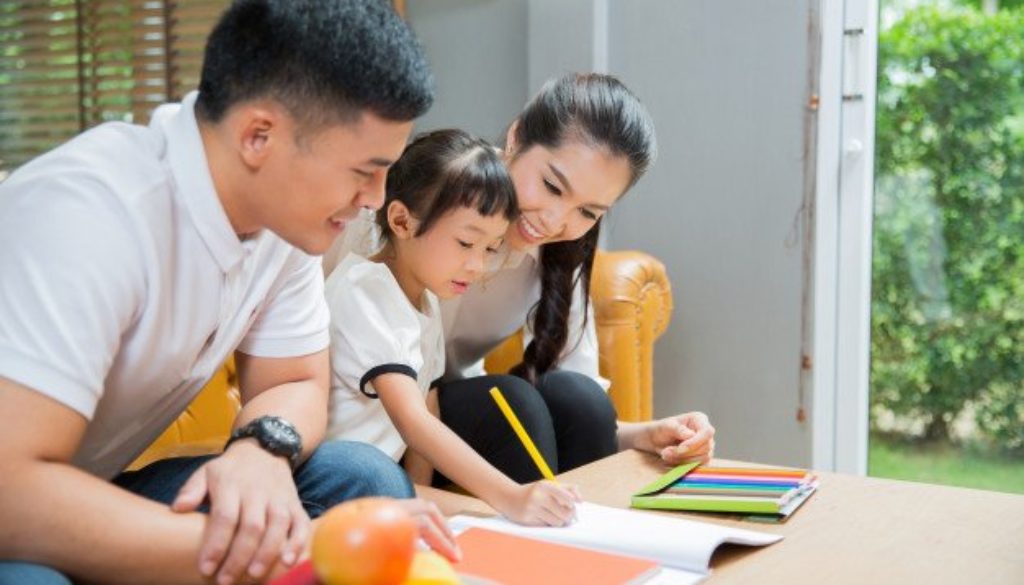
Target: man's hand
(256, 519)
(682, 438)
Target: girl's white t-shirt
(375, 329)
(491, 309)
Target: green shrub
(1000, 415)
(948, 293)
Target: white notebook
(675, 543)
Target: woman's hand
(542, 503)
(681, 438)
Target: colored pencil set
(775, 491)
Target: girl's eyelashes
(469, 246)
(588, 214)
(363, 174)
(552, 188)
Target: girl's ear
(400, 221)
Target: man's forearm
(303, 404)
(294, 389)
(62, 517)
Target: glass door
(947, 294)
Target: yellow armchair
(632, 301)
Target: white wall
(477, 50)
(726, 83)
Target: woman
(576, 148)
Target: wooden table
(854, 530)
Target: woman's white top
(376, 330)
(490, 310)
(498, 306)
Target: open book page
(669, 576)
(673, 542)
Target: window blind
(67, 65)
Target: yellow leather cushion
(632, 300)
(205, 425)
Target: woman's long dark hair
(599, 111)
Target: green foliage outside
(1001, 4)
(948, 292)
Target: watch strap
(258, 429)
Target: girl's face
(453, 253)
(562, 192)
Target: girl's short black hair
(324, 60)
(443, 170)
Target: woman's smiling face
(563, 191)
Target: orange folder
(514, 560)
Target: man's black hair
(324, 60)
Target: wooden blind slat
(42, 87)
(58, 111)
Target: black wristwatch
(274, 434)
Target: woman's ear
(400, 221)
(510, 138)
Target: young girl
(449, 202)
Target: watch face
(279, 430)
(279, 437)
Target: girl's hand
(433, 527)
(682, 438)
(542, 503)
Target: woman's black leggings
(568, 416)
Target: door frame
(843, 235)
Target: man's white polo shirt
(123, 286)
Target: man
(134, 260)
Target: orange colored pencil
(769, 472)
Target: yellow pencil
(523, 437)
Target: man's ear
(401, 221)
(259, 129)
